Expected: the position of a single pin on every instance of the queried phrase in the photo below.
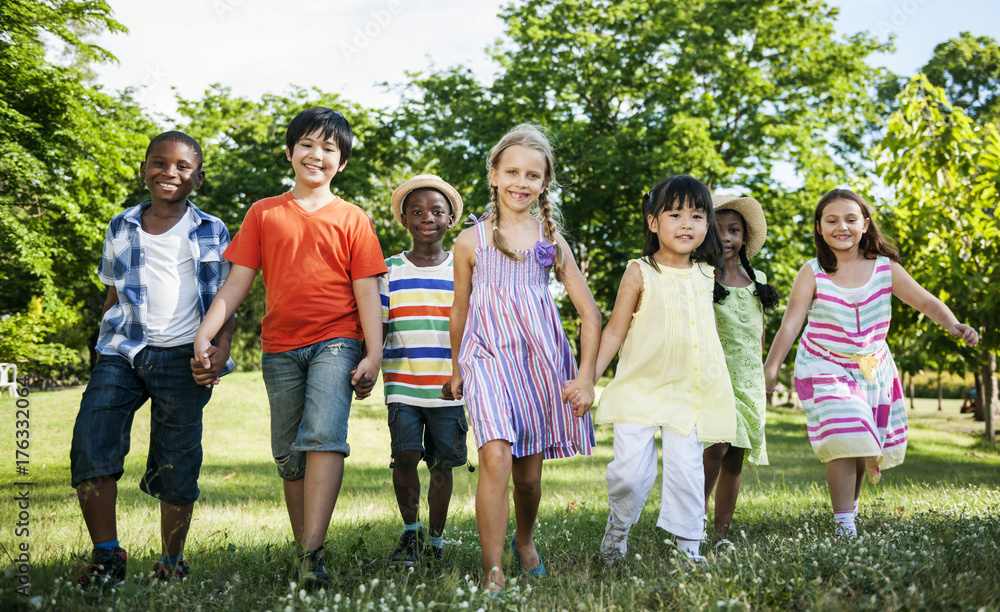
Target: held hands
(770, 376)
(452, 390)
(580, 395)
(964, 332)
(363, 377)
(206, 364)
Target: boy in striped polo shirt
(417, 294)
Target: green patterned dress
(741, 324)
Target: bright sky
(351, 47)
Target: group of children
(687, 325)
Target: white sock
(857, 503)
(845, 523)
(689, 547)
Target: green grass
(931, 528)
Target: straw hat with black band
(753, 218)
(426, 181)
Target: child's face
(681, 230)
(519, 177)
(171, 172)
(315, 160)
(427, 216)
(730, 225)
(842, 224)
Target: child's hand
(201, 349)
(363, 388)
(452, 389)
(208, 375)
(769, 379)
(964, 332)
(579, 394)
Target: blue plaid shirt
(123, 264)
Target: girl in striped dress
(526, 400)
(844, 374)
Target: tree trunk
(940, 400)
(989, 400)
(913, 403)
(980, 413)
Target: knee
(527, 485)
(716, 452)
(406, 461)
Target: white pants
(633, 471)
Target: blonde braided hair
(529, 136)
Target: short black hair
(402, 205)
(321, 118)
(178, 137)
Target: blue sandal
(538, 572)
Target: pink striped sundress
(854, 404)
(515, 358)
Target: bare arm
(369, 303)
(629, 295)
(109, 301)
(580, 391)
(464, 261)
(230, 296)
(910, 291)
(803, 290)
(217, 355)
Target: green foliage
(968, 69)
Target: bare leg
(293, 503)
(174, 524)
(493, 508)
(860, 478)
(406, 484)
(438, 499)
(728, 490)
(844, 477)
(527, 473)
(712, 459)
(324, 475)
(98, 499)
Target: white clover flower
(336, 598)
(362, 589)
(638, 557)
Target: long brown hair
(872, 243)
(529, 136)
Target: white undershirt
(172, 315)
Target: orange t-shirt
(308, 260)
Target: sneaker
(408, 550)
(311, 570)
(164, 573)
(107, 568)
(433, 553)
(615, 543)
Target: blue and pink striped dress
(515, 358)
(845, 375)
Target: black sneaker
(107, 568)
(164, 574)
(408, 550)
(311, 571)
(433, 553)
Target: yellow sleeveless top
(671, 368)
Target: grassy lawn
(930, 529)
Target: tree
(968, 69)
(638, 89)
(945, 170)
(70, 154)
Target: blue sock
(413, 526)
(107, 545)
(437, 541)
(170, 561)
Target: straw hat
(422, 181)
(753, 216)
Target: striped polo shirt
(416, 357)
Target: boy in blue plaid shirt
(162, 262)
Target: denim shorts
(117, 389)
(310, 393)
(442, 431)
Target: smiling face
(315, 160)
(841, 224)
(730, 225)
(426, 215)
(171, 171)
(679, 230)
(519, 176)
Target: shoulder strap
(480, 232)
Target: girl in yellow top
(671, 374)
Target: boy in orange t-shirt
(320, 259)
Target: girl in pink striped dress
(844, 374)
(527, 401)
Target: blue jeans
(442, 431)
(309, 389)
(117, 389)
